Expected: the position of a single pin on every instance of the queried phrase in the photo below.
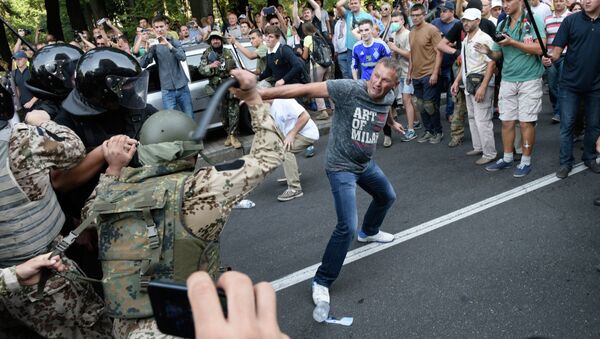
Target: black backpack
(321, 53)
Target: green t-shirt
(519, 66)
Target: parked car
(197, 83)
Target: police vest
(142, 237)
(27, 227)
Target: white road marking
(426, 227)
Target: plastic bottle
(245, 204)
(321, 312)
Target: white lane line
(428, 226)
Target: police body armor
(142, 237)
(27, 227)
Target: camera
(499, 36)
(76, 35)
(42, 30)
(269, 10)
(25, 31)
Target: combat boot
(235, 142)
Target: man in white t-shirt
(541, 9)
(300, 132)
(479, 100)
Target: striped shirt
(552, 24)
(366, 57)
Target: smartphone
(269, 10)
(172, 309)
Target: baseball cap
(471, 14)
(496, 3)
(449, 5)
(475, 4)
(19, 55)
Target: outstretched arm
(311, 90)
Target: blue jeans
(446, 79)
(344, 61)
(343, 187)
(554, 73)
(178, 97)
(569, 107)
(429, 96)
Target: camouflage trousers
(138, 329)
(457, 124)
(68, 309)
(230, 114)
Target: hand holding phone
(252, 309)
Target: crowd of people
(85, 149)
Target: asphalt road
(524, 267)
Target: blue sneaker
(498, 165)
(417, 125)
(522, 170)
(409, 135)
(310, 151)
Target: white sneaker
(387, 141)
(381, 236)
(319, 293)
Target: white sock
(508, 157)
(526, 160)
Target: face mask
(394, 27)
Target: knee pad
(419, 106)
(429, 107)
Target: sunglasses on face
(98, 36)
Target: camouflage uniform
(68, 309)
(209, 195)
(458, 119)
(230, 111)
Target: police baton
(213, 105)
(535, 28)
(17, 34)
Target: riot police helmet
(52, 69)
(166, 126)
(7, 108)
(107, 78)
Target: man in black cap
(21, 75)
(451, 44)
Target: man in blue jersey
(367, 51)
(352, 16)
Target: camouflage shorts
(68, 309)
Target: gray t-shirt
(355, 126)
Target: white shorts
(520, 100)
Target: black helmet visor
(63, 70)
(131, 91)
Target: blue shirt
(366, 57)
(352, 21)
(445, 28)
(170, 72)
(581, 67)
